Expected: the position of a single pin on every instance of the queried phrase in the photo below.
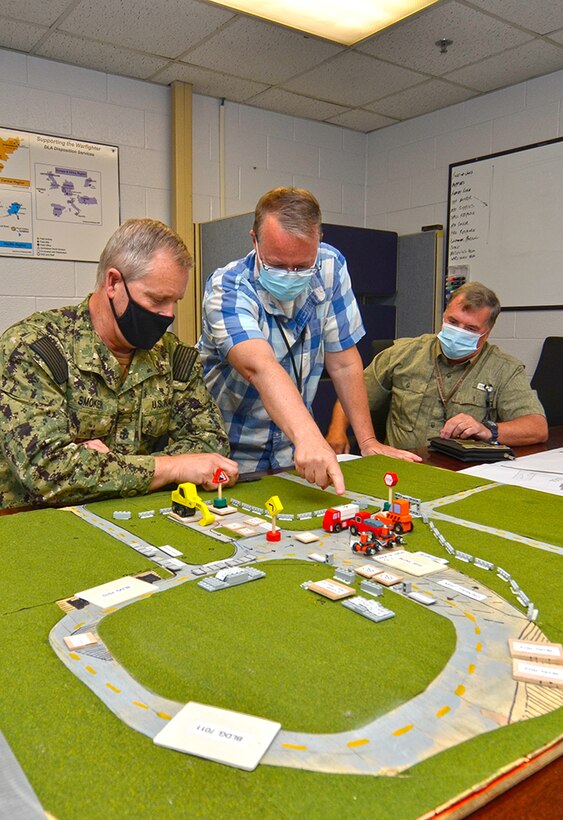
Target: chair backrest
(547, 379)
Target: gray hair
(133, 245)
(296, 209)
(474, 296)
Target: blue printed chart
(59, 197)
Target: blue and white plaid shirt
(236, 307)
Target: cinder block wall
(407, 176)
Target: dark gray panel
(416, 286)
(222, 241)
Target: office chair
(326, 396)
(379, 415)
(547, 379)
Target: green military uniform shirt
(54, 396)
(405, 374)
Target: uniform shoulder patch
(46, 348)
(182, 362)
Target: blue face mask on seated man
(458, 343)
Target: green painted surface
(253, 644)
(84, 763)
(526, 512)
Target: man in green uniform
(99, 400)
(453, 385)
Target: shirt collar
(92, 355)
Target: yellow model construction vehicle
(185, 501)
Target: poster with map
(59, 197)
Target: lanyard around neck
(444, 399)
(298, 374)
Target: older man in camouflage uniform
(98, 400)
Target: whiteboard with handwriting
(505, 224)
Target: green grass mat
(418, 480)
(527, 512)
(259, 648)
(85, 764)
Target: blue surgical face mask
(458, 343)
(284, 284)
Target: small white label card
(414, 563)
(232, 738)
(117, 592)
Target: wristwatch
(493, 427)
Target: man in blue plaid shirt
(271, 322)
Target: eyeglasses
(284, 271)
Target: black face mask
(140, 327)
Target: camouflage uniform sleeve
(196, 424)
(46, 465)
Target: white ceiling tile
(44, 13)
(20, 36)
(352, 79)
(99, 56)
(540, 16)
(361, 120)
(420, 99)
(250, 48)
(512, 66)
(277, 99)
(412, 42)
(166, 30)
(557, 36)
(211, 83)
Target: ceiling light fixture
(346, 23)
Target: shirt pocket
(407, 399)
(89, 419)
(472, 401)
(154, 420)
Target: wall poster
(59, 197)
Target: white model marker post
(390, 479)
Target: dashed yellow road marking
(443, 711)
(470, 616)
(183, 578)
(91, 670)
(140, 705)
(79, 625)
(477, 630)
(471, 668)
(74, 656)
(403, 730)
(294, 746)
(450, 603)
(164, 716)
(111, 609)
(479, 647)
(354, 743)
(460, 690)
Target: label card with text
(232, 738)
(117, 592)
